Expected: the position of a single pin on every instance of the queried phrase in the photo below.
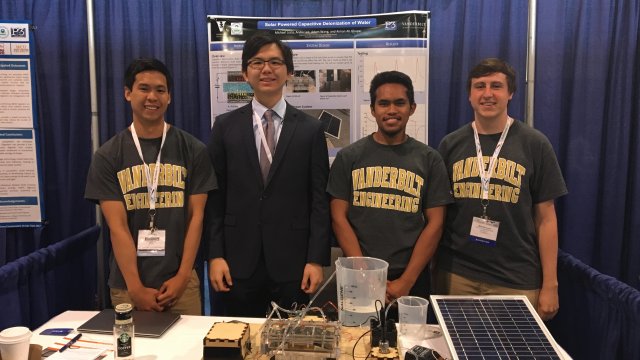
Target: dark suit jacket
(287, 218)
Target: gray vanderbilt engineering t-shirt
(388, 187)
(117, 173)
(526, 173)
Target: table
(184, 339)
(181, 341)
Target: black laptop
(146, 323)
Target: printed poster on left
(20, 175)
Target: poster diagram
(413, 65)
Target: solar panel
(493, 327)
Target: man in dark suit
(268, 224)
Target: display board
(334, 59)
(493, 327)
(20, 176)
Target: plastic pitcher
(412, 313)
(360, 282)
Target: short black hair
(391, 77)
(490, 66)
(146, 64)
(253, 45)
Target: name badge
(484, 231)
(151, 243)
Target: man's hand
(397, 288)
(172, 289)
(311, 278)
(219, 275)
(548, 303)
(144, 299)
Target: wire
(331, 304)
(370, 352)
(377, 317)
(381, 320)
(353, 351)
(322, 288)
(389, 307)
(362, 323)
(318, 309)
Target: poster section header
(14, 65)
(317, 24)
(338, 44)
(16, 134)
(394, 25)
(392, 43)
(25, 200)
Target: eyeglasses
(258, 64)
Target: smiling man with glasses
(268, 225)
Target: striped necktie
(269, 133)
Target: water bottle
(123, 332)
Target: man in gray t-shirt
(151, 181)
(389, 191)
(501, 236)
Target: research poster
(334, 60)
(20, 180)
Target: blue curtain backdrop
(64, 111)
(588, 104)
(587, 100)
(176, 33)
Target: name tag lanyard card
(151, 242)
(483, 229)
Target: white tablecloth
(183, 340)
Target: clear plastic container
(412, 311)
(361, 281)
